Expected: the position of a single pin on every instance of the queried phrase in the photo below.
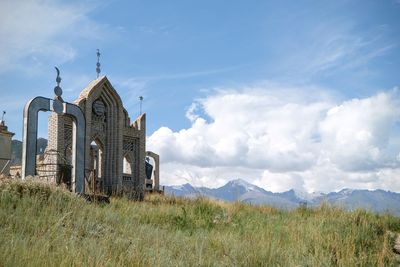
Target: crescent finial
(58, 79)
(57, 89)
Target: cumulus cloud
(357, 132)
(282, 138)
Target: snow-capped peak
(346, 191)
(246, 185)
(181, 187)
(307, 196)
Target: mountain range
(16, 150)
(239, 190)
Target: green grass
(41, 225)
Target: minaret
(5, 147)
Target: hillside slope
(45, 226)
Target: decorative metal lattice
(67, 135)
(54, 166)
(130, 143)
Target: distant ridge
(239, 190)
(16, 150)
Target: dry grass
(45, 226)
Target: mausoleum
(115, 147)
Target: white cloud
(282, 138)
(357, 132)
(34, 32)
(279, 182)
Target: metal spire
(141, 100)
(98, 70)
(2, 122)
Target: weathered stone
(115, 147)
(107, 152)
(78, 137)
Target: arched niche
(105, 119)
(97, 158)
(156, 168)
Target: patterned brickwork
(110, 137)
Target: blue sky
(193, 60)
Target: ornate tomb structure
(5, 148)
(115, 147)
(30, 130)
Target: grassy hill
(41, 225)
